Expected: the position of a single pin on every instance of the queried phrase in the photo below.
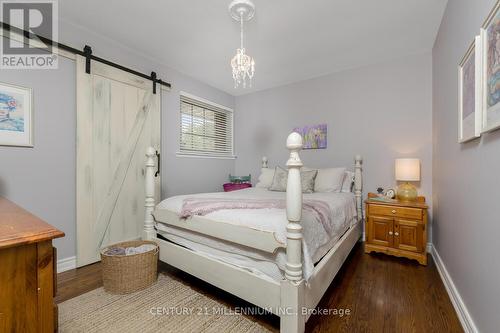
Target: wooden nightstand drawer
(413, 213)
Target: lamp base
(407, 192)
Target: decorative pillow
(348, 181)
(329, 180)
(279, 180)
(307, 180)
(281, 177)
(265, 178)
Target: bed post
(149, 204)
(292, 287)
(264, 162)
(358, 185)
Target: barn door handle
(158, 168)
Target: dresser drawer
(412, 213)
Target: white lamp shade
(408, 169)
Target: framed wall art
(314, 137)
(469, 93)
(16, 116)
(490, 38)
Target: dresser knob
(393, 211)
(390, 232)
(396, 234)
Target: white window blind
(205, 129)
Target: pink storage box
(228, 187)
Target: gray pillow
(307, 179)
(281, 177)
(279, 180)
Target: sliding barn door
(118, 117)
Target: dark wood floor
(383, 294)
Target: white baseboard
(66, 264)
(459, 305)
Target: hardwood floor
(383, 294)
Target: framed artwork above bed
(490, 38)
(314, 137)
(469, 93)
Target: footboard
(261, 240)
(257, 239)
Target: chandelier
(242, 64)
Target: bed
(276, 257)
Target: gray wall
(466, 181)
(381, 112)
(42, 179)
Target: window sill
(218, 157)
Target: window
(206, 128)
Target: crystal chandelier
(242, 64)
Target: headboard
(358, 182)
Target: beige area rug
(167, 306)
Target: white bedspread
(316, 242)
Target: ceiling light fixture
(242, 64)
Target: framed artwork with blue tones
(469, 93)
(16, 116)
(314, 137)
(490, 37)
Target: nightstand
(397, 228)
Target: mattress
(316, 242)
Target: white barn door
(118, 117)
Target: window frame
(213, 155)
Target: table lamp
(407, 170)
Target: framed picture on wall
(16, 115)
(315, 136)
(490, 38)
(469, 93)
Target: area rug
(167, 306)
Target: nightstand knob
(390, 232)
(393, 211)
(396, 234)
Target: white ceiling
(291, 40)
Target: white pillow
(348, 181)
(329, 180)
(265, 178)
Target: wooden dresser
(397, 228)
(27, 271)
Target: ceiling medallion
(242, 64)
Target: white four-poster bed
(287, 297)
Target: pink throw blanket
(204, 206)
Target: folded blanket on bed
(204, 206)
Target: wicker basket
(123, 274)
